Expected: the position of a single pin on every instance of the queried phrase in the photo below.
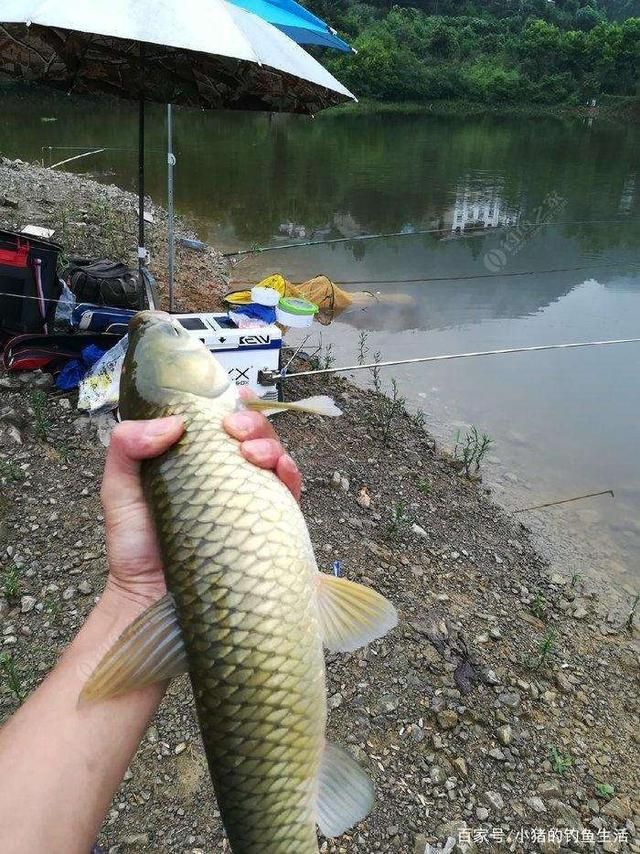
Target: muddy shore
(503, 711)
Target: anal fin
(352, 615)
(345, 793)
(150, 650)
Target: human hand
(135, 564)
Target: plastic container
(265, 296)
(296, 312)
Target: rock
(580, 612)
(497, 754)
(339, 482)
(335, 700)
(9, 415)
(387, 703)
(563, 683)
(68, 593)
(460, 833)
(419, 531)
(8, 202)
(550, 789)
(536, 804)
(180, 748)
(510, 699)
(38, 379)
(437, 774)
(27, 603)
(494, 800)
(618, 808)
(482, 813)
(447, 719)
(136, 840)
(565, 815)
(363, 498)
(461, 766)
(85, 587)
(420, 845)
(495, 633)
(504, 734)
(489, 677)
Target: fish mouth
(149, 318)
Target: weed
(399, 520)
(10, 471)
(362, 347)
(547, 647)
(424, 486)
(327, 358)
(576, 579)
(12, 675)
(40, 419)
(605, 790)
(64, 452)
(11, 583)
(471, 449)
(391, 407)
(536, 606)
(560, 762)
(419, 418)
(375, 372)
(52, 607)
(632, 613)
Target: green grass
(12, 676)
(10, 583)
(537, 606)
(40, 419)
(11, 471)
(560, 761)
(605, 790)
(398, 521)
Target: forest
(537, 51)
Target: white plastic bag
(100, 389)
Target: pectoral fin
(149, 650)
(352, 615)
(345, 793)
(322, 404)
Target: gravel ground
(506, 702)
(100, 221)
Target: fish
(247, 614)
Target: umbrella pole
(142, 253)
(171, 162)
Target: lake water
(563, 423)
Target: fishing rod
(267, 377)
(256, 250)
(458, 278)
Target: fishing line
(270, 377)
(259, 249)
(457, 278)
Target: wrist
(131, 596)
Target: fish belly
(239, 563)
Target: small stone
(580, 612)
(457, 830)
(387, 703)
(419, 531)
(180, 748)
(563, 684)
(437, 774)
(336, 480)
(335, 700)
(482, 638)
(565, 815)
(510, 698)
(447, 719)
(536, 804)
(363, 498)
(137, 840)
(497, 754)
(495, 633)
(27, 603)
(482, 813)
(461, 766)
(489, 677)
(618, 808)
(85, 587)
(68, 593)
(550, 789)
(504, 735)
(494, 801)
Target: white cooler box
(243, 352)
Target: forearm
(62, 763)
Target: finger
(245, 425)
(131, 442)
(263, 453)
(246, 393)
(289, 474)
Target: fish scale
(258, 680)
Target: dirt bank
(100, 221)
(504, 700)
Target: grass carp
(248, 612)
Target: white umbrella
(200, 53)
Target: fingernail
(161, 426)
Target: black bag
(29, 284)
(105, 283)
